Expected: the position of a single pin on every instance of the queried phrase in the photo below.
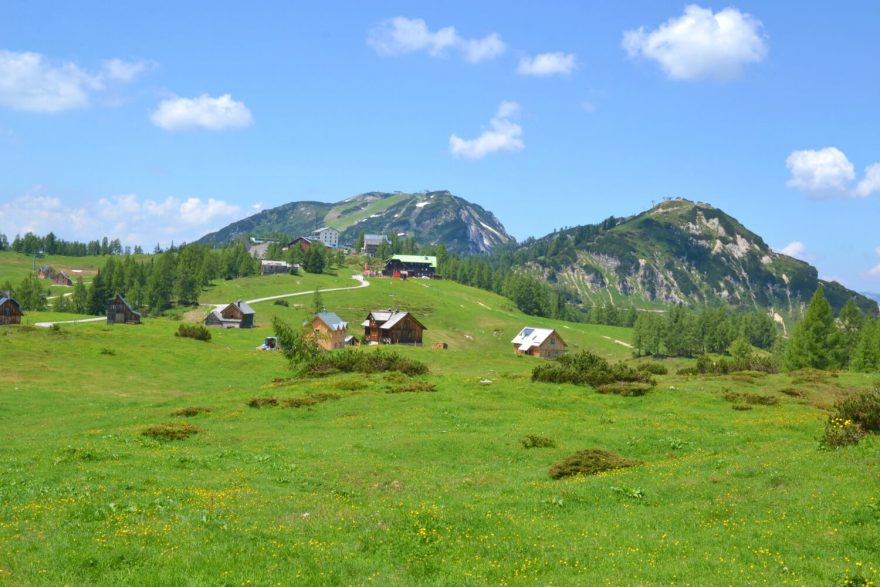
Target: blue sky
(164, 120)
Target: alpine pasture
(132, 456)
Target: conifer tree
(816, 341)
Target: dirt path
(360, 278)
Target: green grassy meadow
(409, 488)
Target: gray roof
(332, 320)
(388, 318)
(244, 307)
(374, 239)
(395, 318)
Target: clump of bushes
(653, 368)
(190, 411)
(707, 365)
(534, 441)
(351, 360)
(750, 398)
(173, 431)
(840, 432)
(196, 331)
(261, 402)
(413, 387)
(810, 375)
(625, 388)
(852, 419)
(586, 368)
(590, 462)
(309, 400)
(281, 303)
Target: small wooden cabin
(62, 279)
(393, 327)
(539, 342)
(46, 272)
(10, 311)
(302, 242)
(119, 312)
(329, 330)
(235, 315)
(268, 267)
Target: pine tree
(317, 302)
(866, 355)
(816, 342)
(850, 323)
(80, 298)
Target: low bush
(707, 365)
(351, 384)
(281, 303)
(351, 360)
(862, 409)
(309, 400)
(196, 331)
(625, 388)
(750, 398)
(741, 407)
(533, 441)
(586, 368)
(260, 402)
(190, 411)
(840, 432)
(653, 368)
(414, 387)
(810, 375)
(173, 431)
(590, 462)
(688, 371)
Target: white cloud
(701, 44)
(503, 135)
(828, 173)
(401, 35)
(546, 64)
(870, 183)
(31, 82)
(127, 217)
(795, 249)
(204, 112)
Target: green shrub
(590, 462)
(281, 303)
(309, 400)
(840, 432)
(741, 407)
(351, 384)
(792, 392)
(750, 398)
(173, 431)
(653, 368)
(414, 387)
(586, 368)
(190, 411)
(259, 402)
(862, 409)
(108, 352)
(625, 388)
(533, 441)
(196, 331)
(360, 361)
(688, 371)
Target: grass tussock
(811, 376)
(351, 384)
(190, 411)
(413, 387)
(108, 352)
(792, 392)
(590, 462)
(194, 331)
(625, 388)
(308, 400)
(750, 398)
(534, 441)
(262, 402)
(852, 419)
(364, 361)
(172, 431)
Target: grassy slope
(426, 488)
(341, 222)
(16, 266)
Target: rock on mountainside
(678, 252)
(431, 217)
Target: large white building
(328, 236)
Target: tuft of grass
(260, 402)
(172, 431)
(413, 387)
(284, 303)
(351, 384)
(108, 352)
(191, 411)
(750, 398)
(534, 441)
(741, 407)
(590, 462)
(625, 388)
(308, 400)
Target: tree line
(31, 244)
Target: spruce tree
(816, 341)
(850, 322)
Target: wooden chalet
(302, 242)
(62, 279)
(235, 315)
(119, 312)
(372, 242)
(539, 342)
(46, 272)
(10, 311)
(275, 267)
(410, 266)
(392, 327)
(329, 331)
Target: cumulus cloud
(795, 249)
(401, 35)
(32, 82)
(701, 44)
(503, 134)
(546, 64)
(126, 216)
(828, 173)
(202, 112)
